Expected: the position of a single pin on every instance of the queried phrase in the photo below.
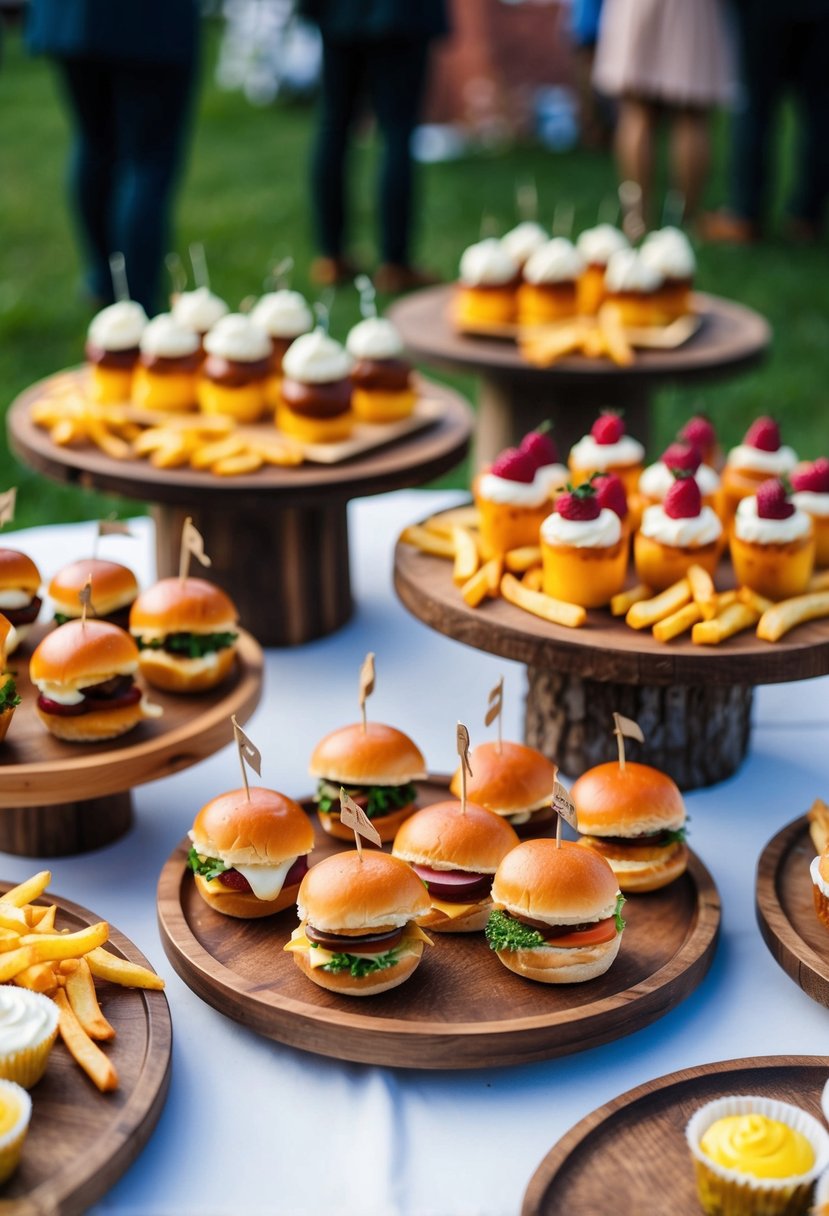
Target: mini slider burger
(9, 699)
(634, 817)
(557, 915)
(19, 599)
(512, 780)
(377, 766)
(114, 588)
(315, 404)
(382, 378)
(250, 852)
(358, 935)
(456, 853)
(186, 631)
(236, 369)
(84, 672)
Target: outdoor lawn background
(244, 195)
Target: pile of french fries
(34, 954)
(597, 337)
(691, 604)
(211, 442)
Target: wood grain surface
(630, 1156)
(786, 912)
(462, 1008)
(81, 1141)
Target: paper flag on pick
(85, 597)
(367, 678)
(496, 703)
(7, 505)
(113, 527)
(463, 748)
(628, 728)
(354, 817)
(192, 542)
(248, 752)
(564, 805)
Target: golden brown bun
(378, 755)
(177, 673)
(346, 893)
(190, 605)
(18, 572)
(113, 586)
(516, 779)
(263, 830)
(562, 965)
(615, 801)
(561, 886)
(386, 825)
(473, 921)
(663, 866)
(6, 716)
(477, 840)
(89, 728)
(80, 653)
(370, 985)
(243, 904)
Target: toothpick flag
(85, 597)
(625, 728)
(192, 542)
(354, 817)
(8, 502)
(462, 741)
(496, 705)
(248, 753)
(366, 684)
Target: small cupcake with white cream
(657, 479)
(488, 283)
(315, 403)
(551, 277)
(15, 1116)
(198, 310)
(677, 533)
(819, 871)
(284, 315)
(597, 246)
(167, 372)
(810, 485)
(633, 285)
(607, 449)
(236, 369)
(584, 549)
(669, 252)
(761, 455)
(112, 349)
(773, 543)
(28, 1028)
(514, 495)
(382, 379)
(523, 240)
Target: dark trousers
(780, 51)
(130, 125)
(391, 74)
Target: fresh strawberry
(540, 448)
(683, 500)
(763, 434)
(514, 465)
(610, 491)
(699, 431)
(581, 503)
(814, 477)
(608, 428)
(685, 456)
(773, 500)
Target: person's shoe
(391, 278)
(725, 228)
(330, 272)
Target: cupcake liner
(11, 1144)
(27, 1065)
(820, 1203)
(727, 1192)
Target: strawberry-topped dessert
(583, 549)
(679, 532)
(810, 483)
(761, 455)
(699, 431)
(514, 495)
(607, 449)
(657, 478)
(773, 542)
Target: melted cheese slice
(266, 881)
(453, 911)
(59, 693)
(411, 943)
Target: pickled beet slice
(455, 886)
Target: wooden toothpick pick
(462, 741)
(198, 260)
(367, 678)
(368, 296)
(248, 752)
(85, 596)
(192, 542)
(354, 817)
(8, 501)
(625, 727)
(565, 809)
(494, 712)
(118, 271)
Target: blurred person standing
(596, 121)
(664, 59)
(128, 71)
(374, 49)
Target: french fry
(703, 591)
(100, 434)
(40, 977)
(620, 603)
(533, 580)
(460, 517)
(427, 542)
(15, 961)
(556, 611)
(724, 598)
(153, 438)
(467, 558)
(593, 344)
(9, 940)
(80, 990)
(237, 466)
(107, 966)
(754, 600)
(47, 946)
(476, 589)
(732, 619)
(92, 1060)
(174, 454)
(45, 923)
(203, 456)
(519, 561)
(67, 966)
(818, 816)
(678, 622)
(545, 347)
(28, 891)
(494, 570)
(12, 917)
(819, 581)
(277, 453)
(648, 612)
(66, 431)
(614, 337)
(782, 617)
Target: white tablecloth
(253, 1127)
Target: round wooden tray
(786, 912)
(81, 1141)
(462, 1008)
(634, 1146)
(58, 797)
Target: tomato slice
(603, 931)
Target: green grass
(244, 196)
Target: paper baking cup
(28, 1065)
(821, 1200)
(11, 1145)
(727, 1192)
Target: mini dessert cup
(583, 575)
(236, 369)
(28, 1028)
(167, 372)
(15, 1115)
(735, 485)
(659, 565)
(819, 871)
(777, 571)
(596, 245)
(489, 278)
(382, 389)
(506, 526)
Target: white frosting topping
(118, 327)
(597, 245)
(599, 533)
(236, 337)
(166, 338)
(317, 358)
(699, 530)
(750, 527)
(26, 1019)
(627, 271)
(669, 252)
(552, 477)
(811, 501)
(657, 479)
(821, 883)
(588, 454)
(374, 338)
(283, 314)
(523, 240)
(199, 310)
(556, 262)
(758, 461)
(487, 264)
(515, 493)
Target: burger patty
(235, 881)
(455, 886)
(116, 693)
(25, 615)
(343, 943)
(550, 931)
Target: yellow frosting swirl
(756, 1145)
(9, 1112)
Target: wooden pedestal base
(698, 734)
(65, 829)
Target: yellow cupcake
(28, 1028)
(15, 1113)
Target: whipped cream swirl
(166, 338)
(26, 1019)
(558, 261)
(238, 338)
(317, 358)
(199, 309)
(523, 240)
(599, 533)
(657, 479)
(753, 529)
(487, 264)
(755, 460)
(597, 245)
(283, 314)
(118, 327)
(687, 533)
(374, 338)
(588, 454)
(627, 271)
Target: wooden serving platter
(786, 913)
(461, 1008)
(634, 1146)
(81, 1141)
(657, 337)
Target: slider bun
(190, 605)
(78, 654)
(615, 801)
(177, 673)
(113, 586)
(263, 831)
(562, 965)
(516, 779)
(561, 886)
(18, 572)
(439, 834)
(667, 863)
(91, 727)
(378, 755)
(385, 825)
(369, 985)
(244, 905)
(345, 893)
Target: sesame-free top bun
(189, 605)
(378, 755)
(261, 831)
(439, 835)
(560, 886)
(113, 586)
(18, 572)
(630, 801)
(510, 781)
(82, 653)
(351, 895)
